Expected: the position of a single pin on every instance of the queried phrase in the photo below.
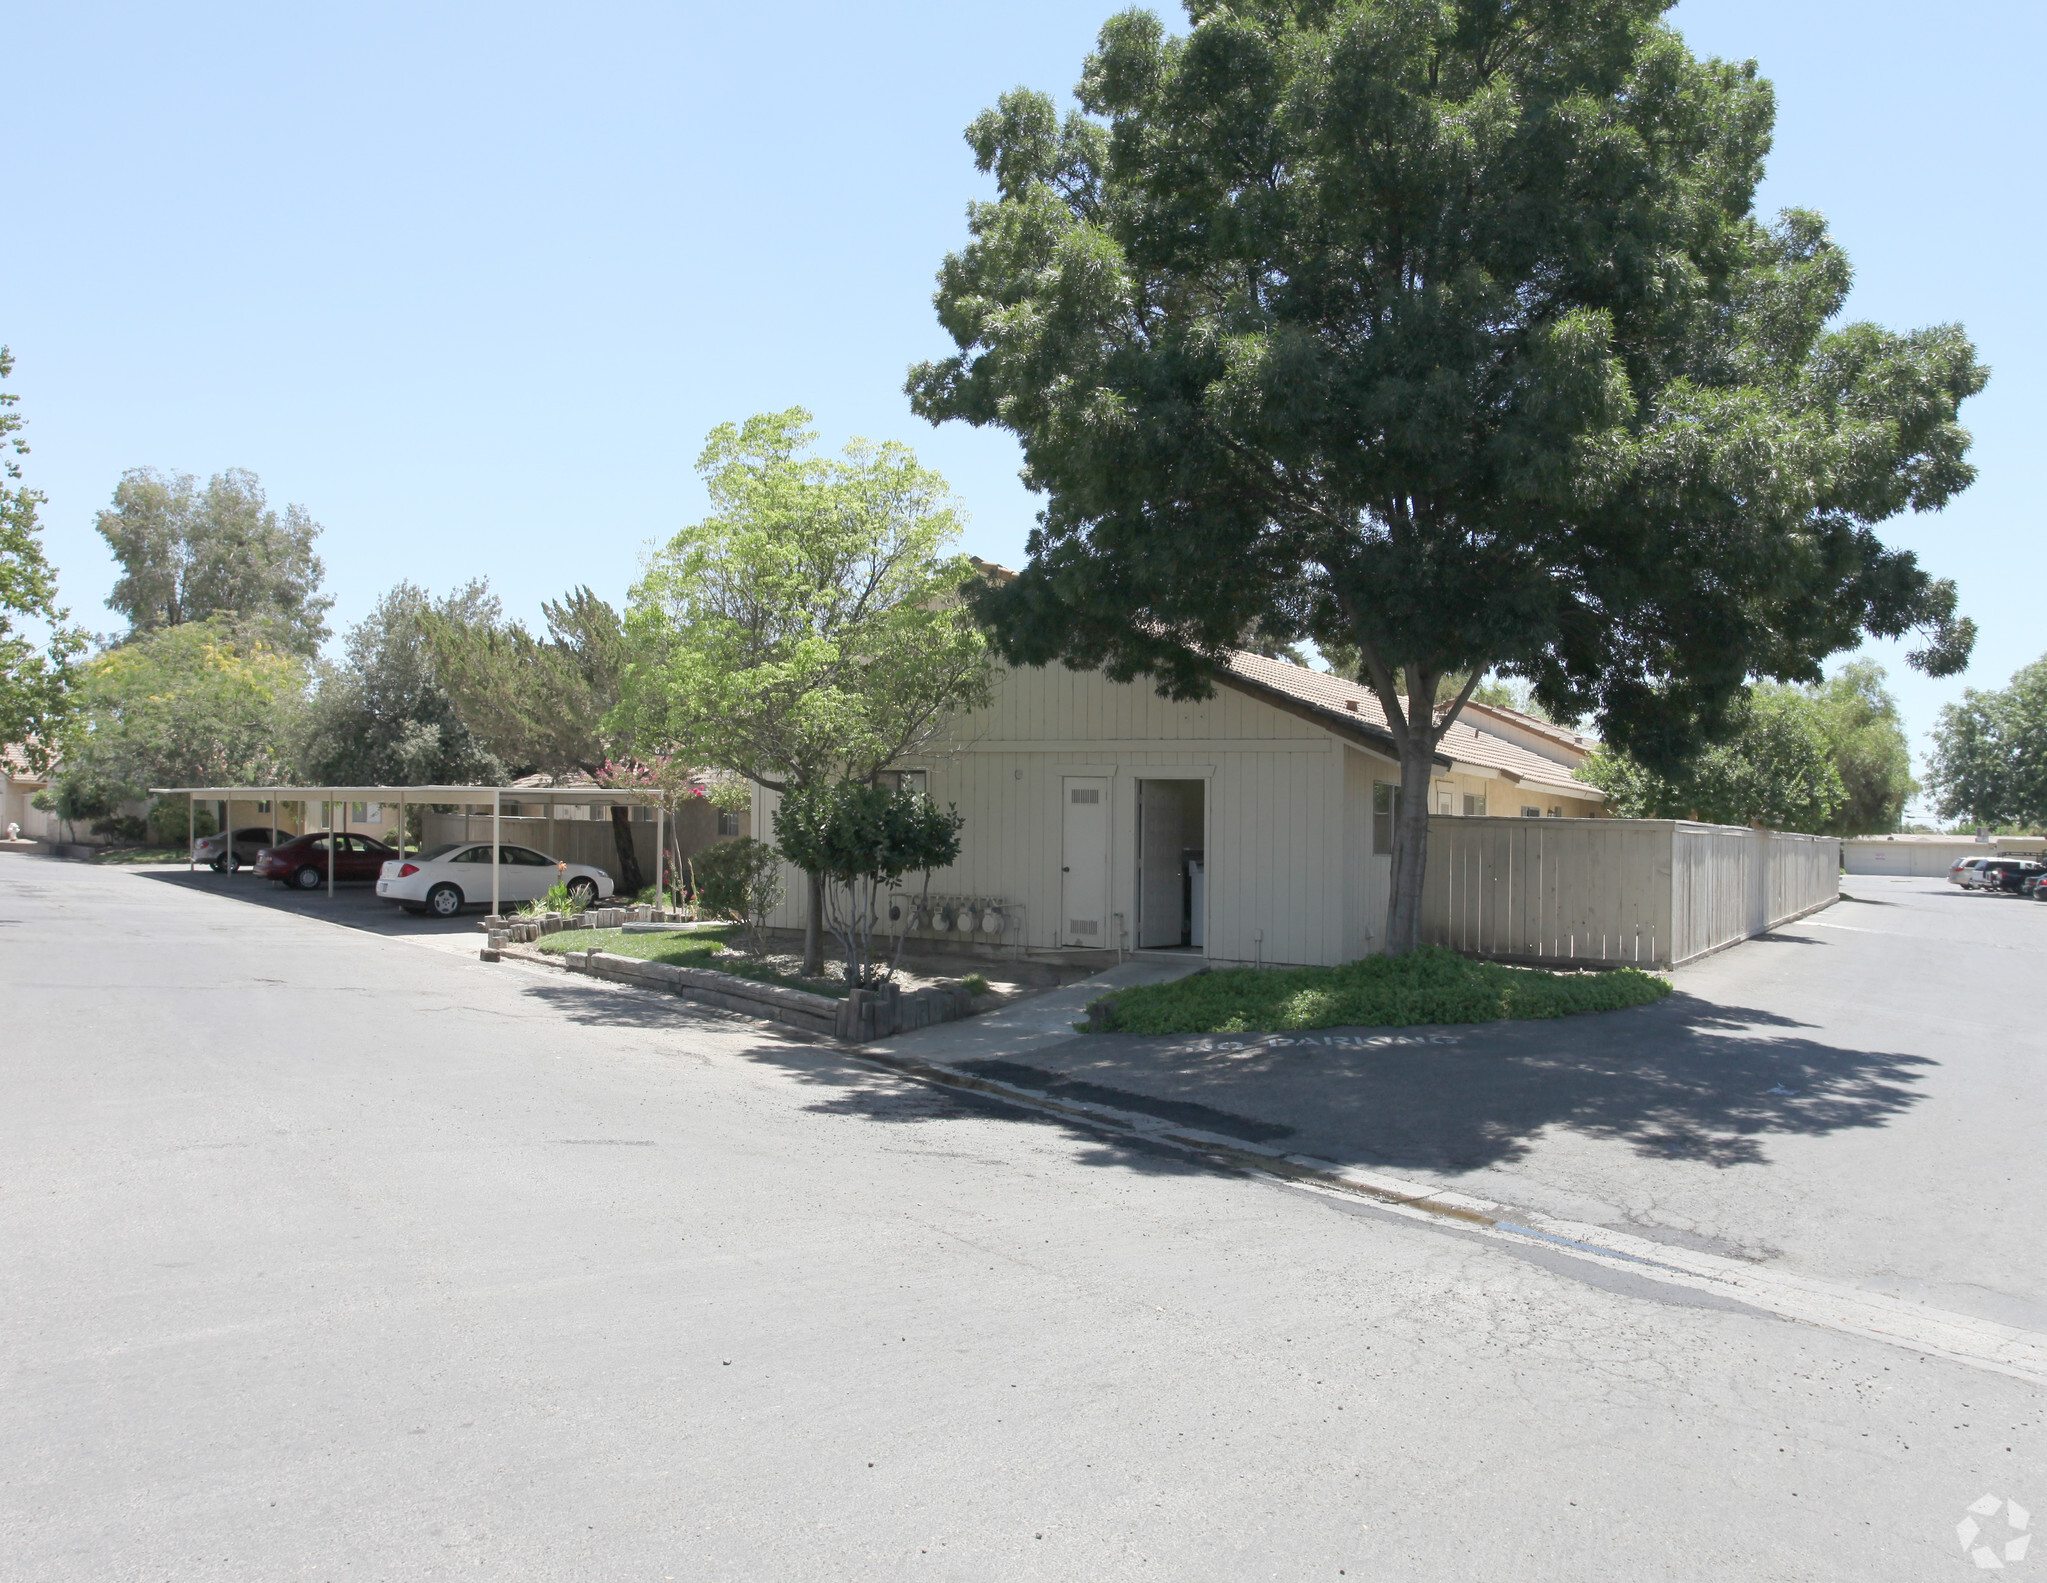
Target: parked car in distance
(2035, 885)
(2006, 873)
(1962, 871)
(303, 862)
(249, 842)
(457, 875)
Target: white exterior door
(1084, 881)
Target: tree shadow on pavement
(1685, 1079)
(854, 1088)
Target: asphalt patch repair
(1185, 1113)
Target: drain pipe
(1258, 939)
(1121, 932)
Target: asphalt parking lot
(1856, 1095)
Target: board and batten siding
(1656, 892)
(1278, 803)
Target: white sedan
(457, 875)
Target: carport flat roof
(550, 794)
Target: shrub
(557, 898)
(975, 984)
(740, 879)
(1429, 985)
(174, 822)
(121, 827)
(859, 838)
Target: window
(1474, 805)
(1446, 797)
(1557, 812)
(1385, 807)
(728, 821)
(1530, 813)
(526, 857)
(897, 780)
(263, 807)
(365, 813)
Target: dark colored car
(2008, 873)
(2035, 886)
(249, 841)
(303, 862)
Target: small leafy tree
(35, 676)
(1778, 770)
(541, 703)
(75, 798)
(176, 820)
(202, 703)
(741, 880)
(810, 629)
(381, 717)
(1989, 763)
(1866, 739)
(861, 839)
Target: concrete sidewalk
(1799, 1100)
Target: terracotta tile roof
(1563, 735)
(1354, 709)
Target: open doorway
(1172, 865)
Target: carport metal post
(660, 856)
(497, 830)
(330, 843)
(401, 824)
(191, 836)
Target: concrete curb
(813, 1014)
(1958, 1338)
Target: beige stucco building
(1252, 826)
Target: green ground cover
(704, 948)
(143, 854)
(1431, 985)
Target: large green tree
(1830, 759)
(38, 645)
(542, 704)
(1776, 768)
(1865, 737)
(202, 703)
(1444, 329)
(381, 717)
(1989, 761)
(809, 629)
(188, 554)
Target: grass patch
(704, 948)
(143, 854)
(1430, 985)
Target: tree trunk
(813, 928)
(630, 882)
(1410, 847)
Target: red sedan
(303, 862)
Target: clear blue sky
(471, 283)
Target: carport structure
(584, 796)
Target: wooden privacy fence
(1655, 892)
